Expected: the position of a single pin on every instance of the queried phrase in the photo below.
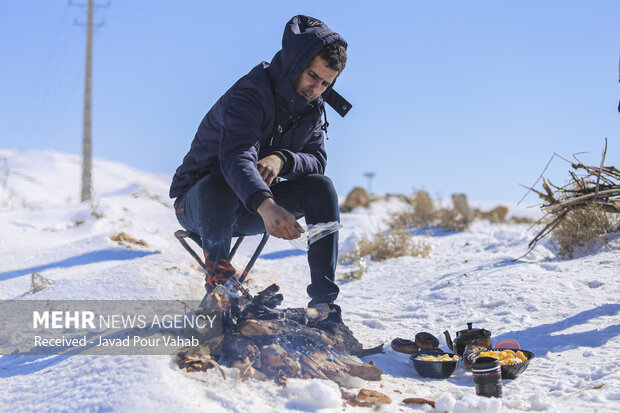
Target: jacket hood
(303, 38)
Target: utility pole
(87, 139)
(369, 176)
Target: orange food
(505, 356)
(443, 357)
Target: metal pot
(479, 337)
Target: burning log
(274, 359)
(274, 328)
(312, 368)
(329, 365)
(243, 347)
(264, 342)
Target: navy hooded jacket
(261, 114)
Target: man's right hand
(278, 221)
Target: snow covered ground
(565, 311)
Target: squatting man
(258, 158)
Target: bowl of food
(435, 364)
(512, 362)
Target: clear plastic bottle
(315, 232)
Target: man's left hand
(269, 167)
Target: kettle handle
(448, 339)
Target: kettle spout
(448, 340)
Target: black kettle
(479, 337)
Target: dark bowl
(509, 371)
(434, 369)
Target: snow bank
(312, 395)
(565, 311)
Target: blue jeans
(211, 210)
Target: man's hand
(278, 221)
(269, 167)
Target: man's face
(315, 79)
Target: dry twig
(597, 186)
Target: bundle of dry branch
(589, 186)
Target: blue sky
(449, 96)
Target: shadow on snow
(540, 340)
(22, 365)
(282, 254)
(110, 254)
(433, 231)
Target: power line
(61, 89)
(42, 100)
(17, 125)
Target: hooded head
(303, 38)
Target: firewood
(361, 370)
(371, 351)
(192, 363)
(599, 185)
(419, 400)
(198, 352)
(247, 370)
(197, 359)
(353, 401)
(259, 328)
(583, 199)
(373, 396)
(282, 328)
(221, 370)
(239, 347)
(275, 358)
(304, 316)
(310, 368)
(329, 366)
(281, 378)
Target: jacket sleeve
(240, 143)
(311, 159)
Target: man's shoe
(333, 321)
(334, 326)
(217, 273)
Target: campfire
(267, 343)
